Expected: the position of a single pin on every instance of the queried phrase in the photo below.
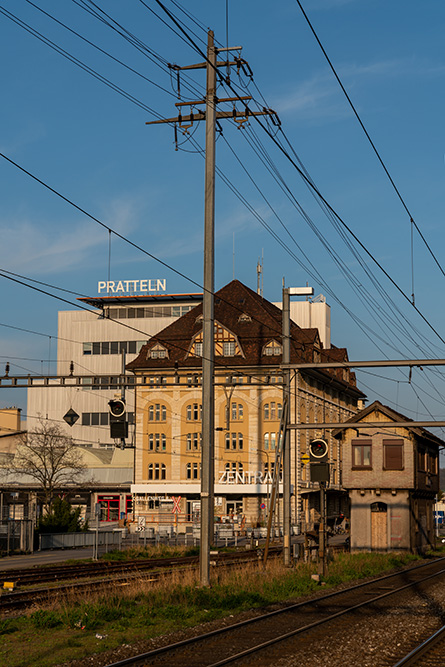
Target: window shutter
(393, 454)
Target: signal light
(117, 407)
(118, 421)
(318, 450)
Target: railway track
(101, 576)
(255, 640)
(430, 653)
(32, 576)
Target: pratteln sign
(132, 286)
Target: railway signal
(118, 419)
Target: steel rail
(422, 649)
(309, 626)
(143, 657)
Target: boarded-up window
(393, 454)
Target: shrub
(61, 519)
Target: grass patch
(82, 626)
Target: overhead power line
(78, 62)
(98, 48)
(305, 178)
(372, 144)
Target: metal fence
(16, 536)
(76, 540)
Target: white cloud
(321, 97)
(45, 248)
(312, 98)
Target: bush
(61, 519)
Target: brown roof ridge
(392, 414)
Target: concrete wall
(398, 520)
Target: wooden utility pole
(208, 347)
(210, 115)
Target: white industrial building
(91, 343)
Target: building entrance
(109, 508)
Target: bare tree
(50, 458)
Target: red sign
(176, 507)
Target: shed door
(379, 527)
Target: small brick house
(392, 476)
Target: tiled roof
(262, 325)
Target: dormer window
(229, 349)
(272, 349)
(200, 318)
(158, 352)
(226, 343)
(244, 317)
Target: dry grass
(143, 608)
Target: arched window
(194, 412)
(157, 413)
(157, 471)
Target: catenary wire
(28, 0)
(324, 201)
(295, 165)
(374, 148)
(98, 48)
(134, 41)
(78, 62)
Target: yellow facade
(248, 406)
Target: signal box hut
(392, 476)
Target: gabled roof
(392, 415)
(265, 324)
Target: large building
(93, 341)
(248, 407)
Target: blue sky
(92, 145)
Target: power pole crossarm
(200, 115)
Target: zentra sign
(248, 477)
(132, 286)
